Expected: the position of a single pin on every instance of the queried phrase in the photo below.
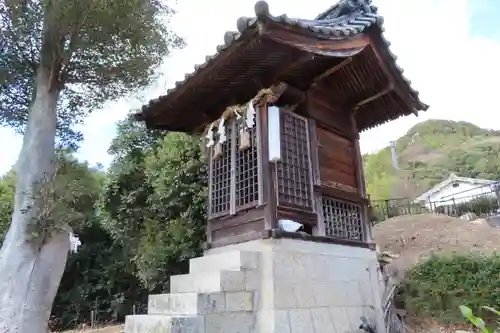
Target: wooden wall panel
(321, 109)
(336, 156)
(230, 229)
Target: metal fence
(460, 205)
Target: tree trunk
(30, 272)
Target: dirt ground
(416, 237)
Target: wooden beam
(390, 77)
(312, 44)
(381, 93)
(332, 70)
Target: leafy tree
(155, 201)
(58, 61)
(6, 198)
(95, 277)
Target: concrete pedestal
(270, 286)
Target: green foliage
(479, 206)
(476, 321)
(437, 287)
(155, 201)
(428, 153)
(379, 174)
(7, 183)
(96, 50)
(96, 277)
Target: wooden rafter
(391, 79)
(381, 93)
(331, 71)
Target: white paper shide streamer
(74, 242)
(210, 136)
(221, 131)
(250, 115)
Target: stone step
(226, 261)
(200, 303)
(164, 324)
(214, 282)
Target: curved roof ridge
(344, 20)
(344, 7)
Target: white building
(456, 190)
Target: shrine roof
(238, 68)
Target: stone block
(236, 322)
(322, 321)
(323, 293)
(209, 282)
(355, 313)
(301, 321)
(282, 321)
(186, 303)
(353, 293)
(225, 261)
(284, 296)
(252, 280)
(304, 294)
(340, 319)
(239, 301)
(164, 324)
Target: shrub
(437, 287)
(479, 206)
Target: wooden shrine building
(280, 107)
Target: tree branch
(75, 33)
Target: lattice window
(294, 170)
(247, 174)
(221, 179)
(343, 219)
(234, 176)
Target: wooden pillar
(268, 171)
(361, 179)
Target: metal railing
(484, 204)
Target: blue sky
(448, 48)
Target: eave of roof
(343, 21)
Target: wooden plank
(337, 160)
(336, 193)
(289, 36)
(328, 175)
(327, 136)
(295, 214)
(236, 239)
(237, 230)
(337, 152)
(335, 166)
(331, 119)
(237, 219)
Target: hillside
(428, 153)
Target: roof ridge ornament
(261, 9)
(347, 7)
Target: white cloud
(451, 69)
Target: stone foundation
(270, 286)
